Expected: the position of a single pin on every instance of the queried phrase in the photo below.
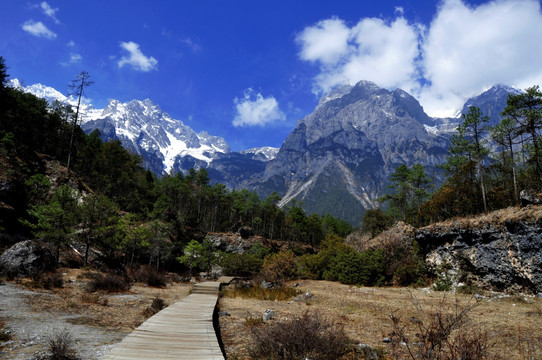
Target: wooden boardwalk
(183, 330)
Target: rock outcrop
(501, 250)
(26, 258)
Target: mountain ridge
(336, 160)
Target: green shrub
(444, 280)
(367, 268)
(241, 264)
(313, 266)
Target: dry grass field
(513, 323)
(123, 311)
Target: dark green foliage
(3, 73)
(375, 221)
(199, 256)
(54, 220)
(410, 188)
(335, 226)
(241, 264)
(351, 267)
(525, 110)
(314, 265)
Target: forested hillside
(107, 200)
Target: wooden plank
(183, 330)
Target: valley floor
(512, 322)
(95, 322)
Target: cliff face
(501, 250)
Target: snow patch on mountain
(142, 127)
(265, 153)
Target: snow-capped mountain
(41, 91)
(265, 153)
(166, 145)
(337, 160)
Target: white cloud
(371, 50)
(462, 52)
(74, 59)
(49, 11)
(136, 59)
(37, 28)
(470, 49)
(326, 42)
(255, 110)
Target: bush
(51, 280)
(444, 279)
(157, 305)
(150, 276)
(278, 293)
(241, 264)
(306, 336)
(351, 267)
(108, 283)
(279, 267)
(441, 333)
(60, 346)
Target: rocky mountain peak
(491, 102)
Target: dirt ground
(513, 323)
(95, 321)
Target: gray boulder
(268, 315)
(27, 258)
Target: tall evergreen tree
(77, 88)
(468, 145)
(504, 134)
(526, 110)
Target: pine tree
(55, 220)
(526, 110)
(469, 146)
(77, 88)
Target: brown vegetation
(120, 310)
(511, 323)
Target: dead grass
(527, 214)
(121, 311)
(364, 313)
(256, 292)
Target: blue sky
(248, 70)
